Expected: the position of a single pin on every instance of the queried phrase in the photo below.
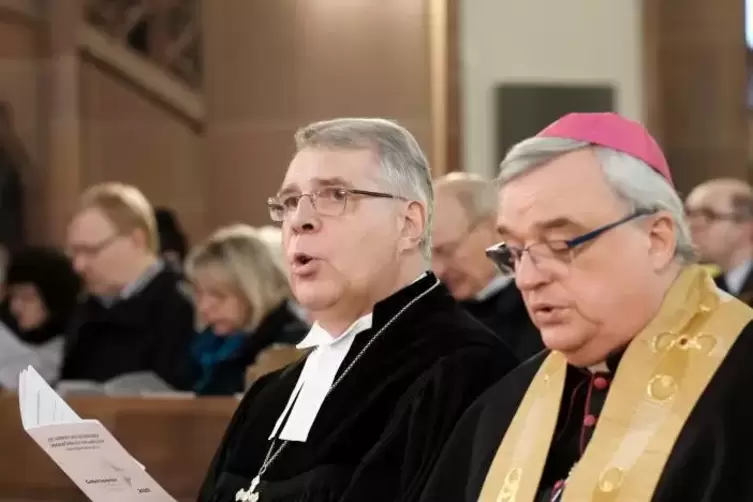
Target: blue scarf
(209, 350)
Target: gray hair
(475, 194)
(404, 167)
(632, 180)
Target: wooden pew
(174, 438)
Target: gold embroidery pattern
(675, 356)
(661, 377)
(512, 482)
(510, 486)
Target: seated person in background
(173, 243)
(720, 213)
(135, 317)
(464, 226)
(394, 360)
(42, 292)
(242, 301)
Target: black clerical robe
(378, 433)
(711, 460)
(505, 313)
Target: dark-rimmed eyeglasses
(551, 255)
(329, 201)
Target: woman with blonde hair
(243, 306)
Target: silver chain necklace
(252, 494)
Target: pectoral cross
(250, 495)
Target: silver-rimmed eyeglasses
(328, 201)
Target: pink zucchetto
(611, 130)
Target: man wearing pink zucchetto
(643, 392)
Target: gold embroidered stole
(661, 376)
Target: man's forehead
(571, 187)
(716, 194)
(542, 221)
(91, 222)
(316, 168)
(449, 215)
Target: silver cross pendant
(250, 495)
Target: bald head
(465, 207)
(720, 212)
(736, 194)
(476, 195)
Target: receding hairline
(124, 206)
(727, 187)
(469, 191)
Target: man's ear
(662, 239)
(413, 225)
(140, 238)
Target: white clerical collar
(599, 368)
(317, 376)
(495, 286)
(735, 278)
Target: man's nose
(696, 225)
(528, 275)
(304, 217)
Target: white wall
(554, 41)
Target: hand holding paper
(84, 449)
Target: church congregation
(410, 251)
(400, 339)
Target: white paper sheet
(84, 449)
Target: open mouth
(302, 259)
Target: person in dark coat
(42, 293)
(136, 317)
(392, 361)
(642, 393)
(243, 305)
(464, 226)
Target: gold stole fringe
(663, 373)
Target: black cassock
(712, 460)
(380, 431)
(505, 313)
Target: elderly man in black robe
(639, 396)
(393, 360)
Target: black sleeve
(171, 359)
(399, 465)
(216, 467)
(456, 466)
